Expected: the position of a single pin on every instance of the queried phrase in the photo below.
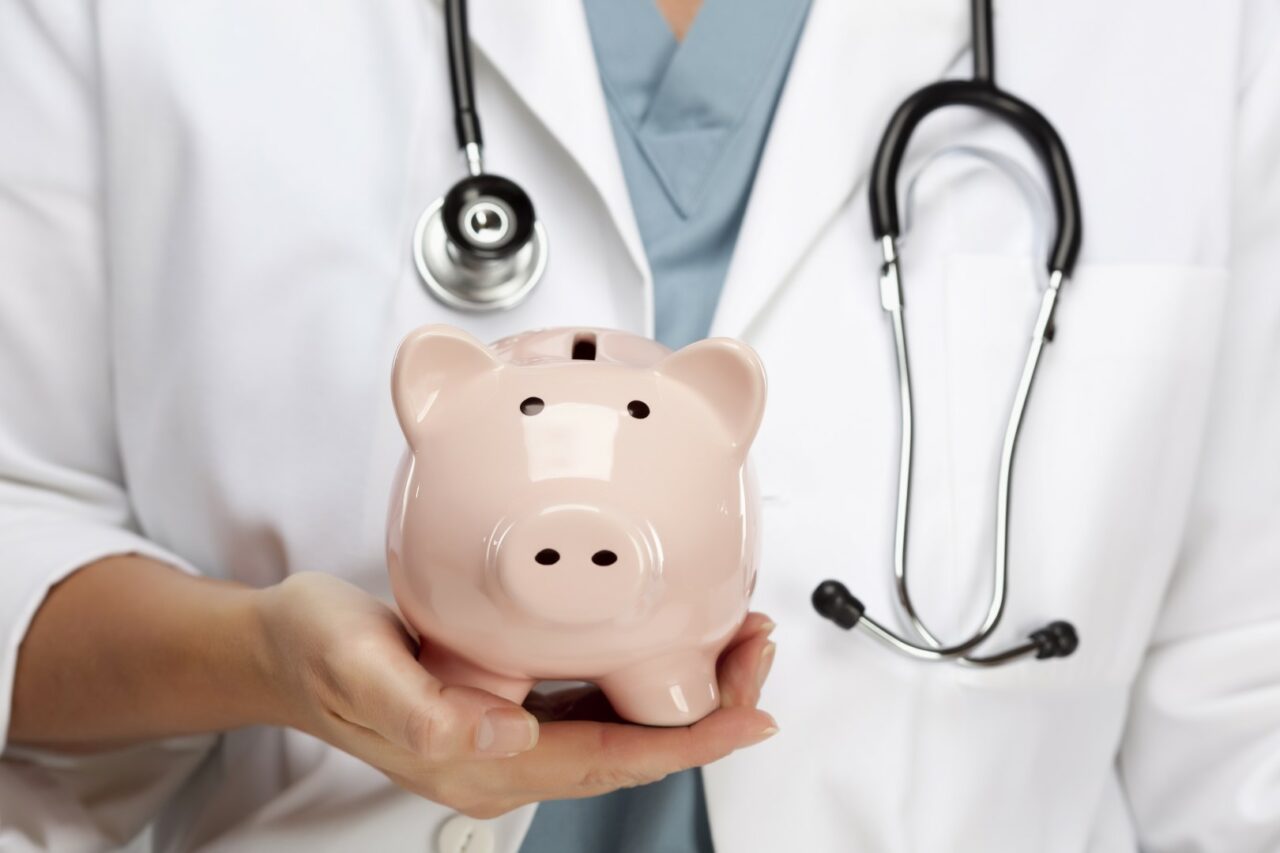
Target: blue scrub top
(690, 120)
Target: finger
(743, 669)
(745, 662)
(755, 623)
(393, 695)
(582, 759)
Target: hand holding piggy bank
(576, 504)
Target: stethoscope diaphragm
(481, 247)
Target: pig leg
(452, 670)
(673, 690)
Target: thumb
(412, 709)
(476, 723)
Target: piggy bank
(576, 504)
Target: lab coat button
(462, 834)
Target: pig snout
(576, 565)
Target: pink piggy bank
(576, 504)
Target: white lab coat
(205, 214)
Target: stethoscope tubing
(466, 117)
(1018, 114)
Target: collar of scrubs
(683, 100)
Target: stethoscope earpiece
(833, 601)
(1055, 640)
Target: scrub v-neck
(690, 119)
(682, 101)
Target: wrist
(255, 664)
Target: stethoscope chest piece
(481, 247)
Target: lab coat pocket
(1106, 457)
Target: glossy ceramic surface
(576, 504)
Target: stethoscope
(481, 248)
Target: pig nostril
(604, 558)
(547, 557)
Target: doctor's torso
(264, 164)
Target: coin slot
(584, 347)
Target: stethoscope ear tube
(1018, 114)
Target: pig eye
(531, 405)
(637, 410)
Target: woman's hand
(342, 667)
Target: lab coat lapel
(855, 61)
(543, 51)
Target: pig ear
(428, 360)
(729, 376)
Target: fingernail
(506, 731)
(767, 628)
(768, 732)
(766, 664)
